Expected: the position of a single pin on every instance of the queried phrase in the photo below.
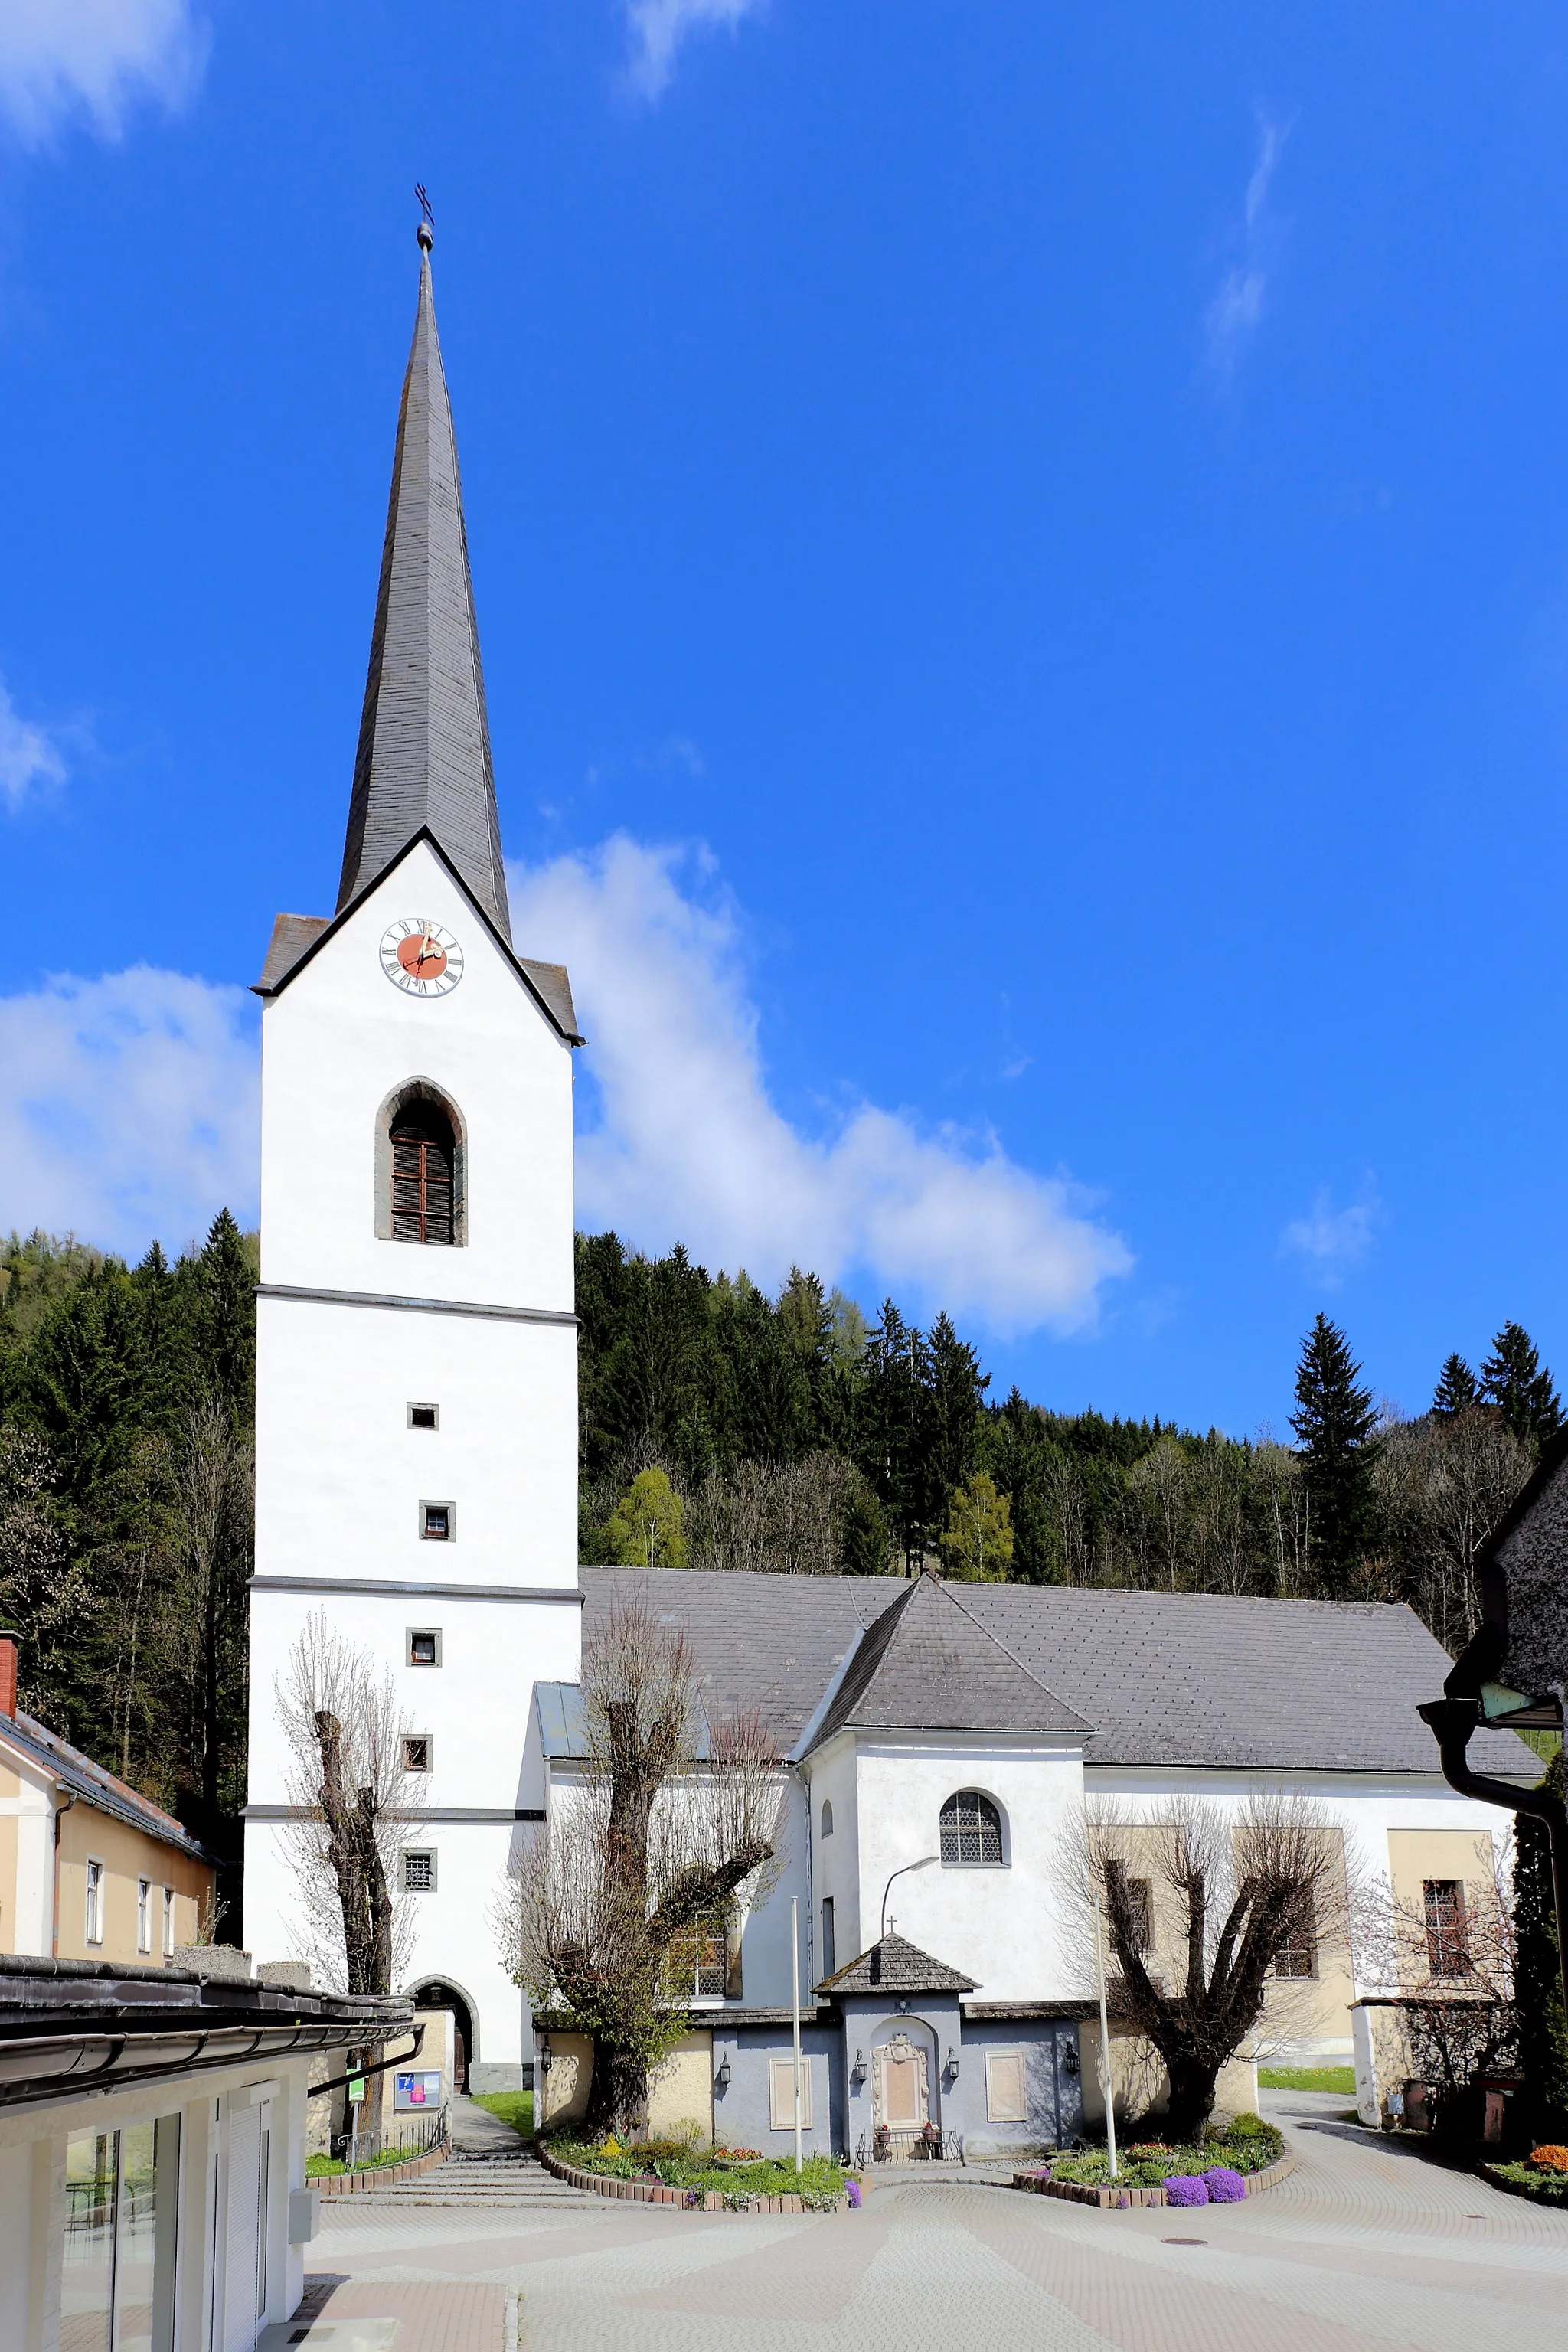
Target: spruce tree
(1334, 1422)
(862, 1532)
(1516, 1383)
(1538, 1984)
(1456, 1389)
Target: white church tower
(417, 1384)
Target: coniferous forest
(720, 1427)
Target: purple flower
(1186, 2188)
(854, 2195)
(1225, 2187)
(693, 2198)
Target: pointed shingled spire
(424, 741)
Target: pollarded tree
(1516, 1382)
(1335, 1423)
(670, 1825)
(355, 1805)
(1202, 1913)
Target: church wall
(340, 1475)
(1377, 1812)
(341, 1038)
(1002, 1926)
(835, 1866)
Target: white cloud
(688, 1145)
(129, 1109)
(28, 755)
(65, 60)
(1236, 309)
(659, 28)
(1333, 1239)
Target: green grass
(1307, 2078)
(327, 2167)
(514, 2108)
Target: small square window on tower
(424, 1647)
(419, 1872)
(438, 1522)
(424, 1416)
(416, 1751)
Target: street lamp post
(887, 1890)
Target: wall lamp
(1069, 2059)
(721, 2079)
(546, 2058)
(952, 2063)
(858, 2071)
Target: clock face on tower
(418, 956)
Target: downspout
(1453, 1720)
(61, 1812)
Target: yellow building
(88, 1870)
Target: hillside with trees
(720, 1427)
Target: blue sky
(1022, 555)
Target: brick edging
(1121, 2200)
(654, 2192)
(378, 2176)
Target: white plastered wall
(476, 1706)
(1003, 1925)
(26, 1922)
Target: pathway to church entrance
(1366, 2246)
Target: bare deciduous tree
(1240, 1891)
(355, 1805)
(673, 1820)
(1445, 1482)
(43, 1593)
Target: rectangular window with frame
(418, 1751)
(424, 1645)
(424, 1416)
(438, 1522)
(1006, 2087)
(168, 1923)
(419, 1871)
(695, 1965)
(781, 2093)
(1297, 1955)
(143, 1915)
(829, 1938)
(1137, 1896)
(94, 1922)
(1448, 1944)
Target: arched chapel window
(827, 1817)
(971, 1829)
(424, 1150)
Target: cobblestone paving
(1364, 2246)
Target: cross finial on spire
(426, 232)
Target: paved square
(1364, 2246)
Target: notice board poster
(419, 2090)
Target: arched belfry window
(420, 1172)
(971, 1829)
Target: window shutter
(1006, 2087)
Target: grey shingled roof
(896, 1965)
(292, 935)
(95, 1787)
(928, 1665)
(1164, 1679)
(424, 753)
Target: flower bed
(1246, 2157)
(717, 2180)
(1543, 2175)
